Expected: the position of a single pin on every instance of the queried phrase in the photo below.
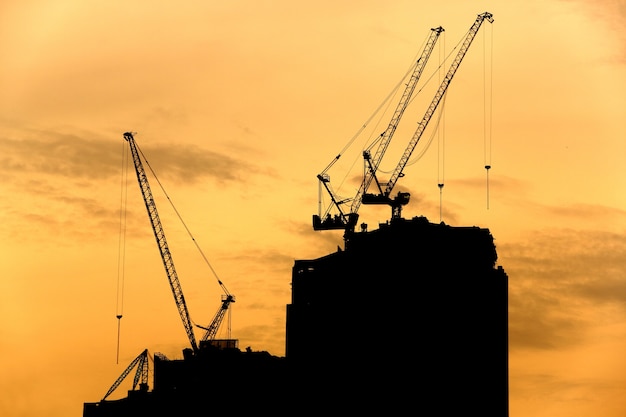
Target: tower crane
(348, 220)
(402, 198)
(141, 361)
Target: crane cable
(121, 256)
(219, 281)
(488, 131)
(441, 147)
(386, 102)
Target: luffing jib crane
(159, 234)
(348, 220)
(166, 256)
(141, 362)
(402, 198)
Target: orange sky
(238, 106)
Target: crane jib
(397, 173)
(374, 162)
(159, 234)
(348, 220)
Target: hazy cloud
(67, 177)
(557, 278)
(586, 211)
(95, 158)
(611, 13)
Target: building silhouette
(409, 318)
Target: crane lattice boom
(385, 139)
(159, 234)
(397, 173)
(348, 221)
(211, 329)
(141, 361)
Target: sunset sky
(238, 105)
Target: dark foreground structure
(410, 318)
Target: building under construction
(411, 316)
(407, 318)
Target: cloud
(611, 14)
(190, 164)
(586, 211)
(559, 280)
(93, 157)
(58, 154)
(63, 183)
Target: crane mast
(403, 198)
(349, 220)
(159, 234)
